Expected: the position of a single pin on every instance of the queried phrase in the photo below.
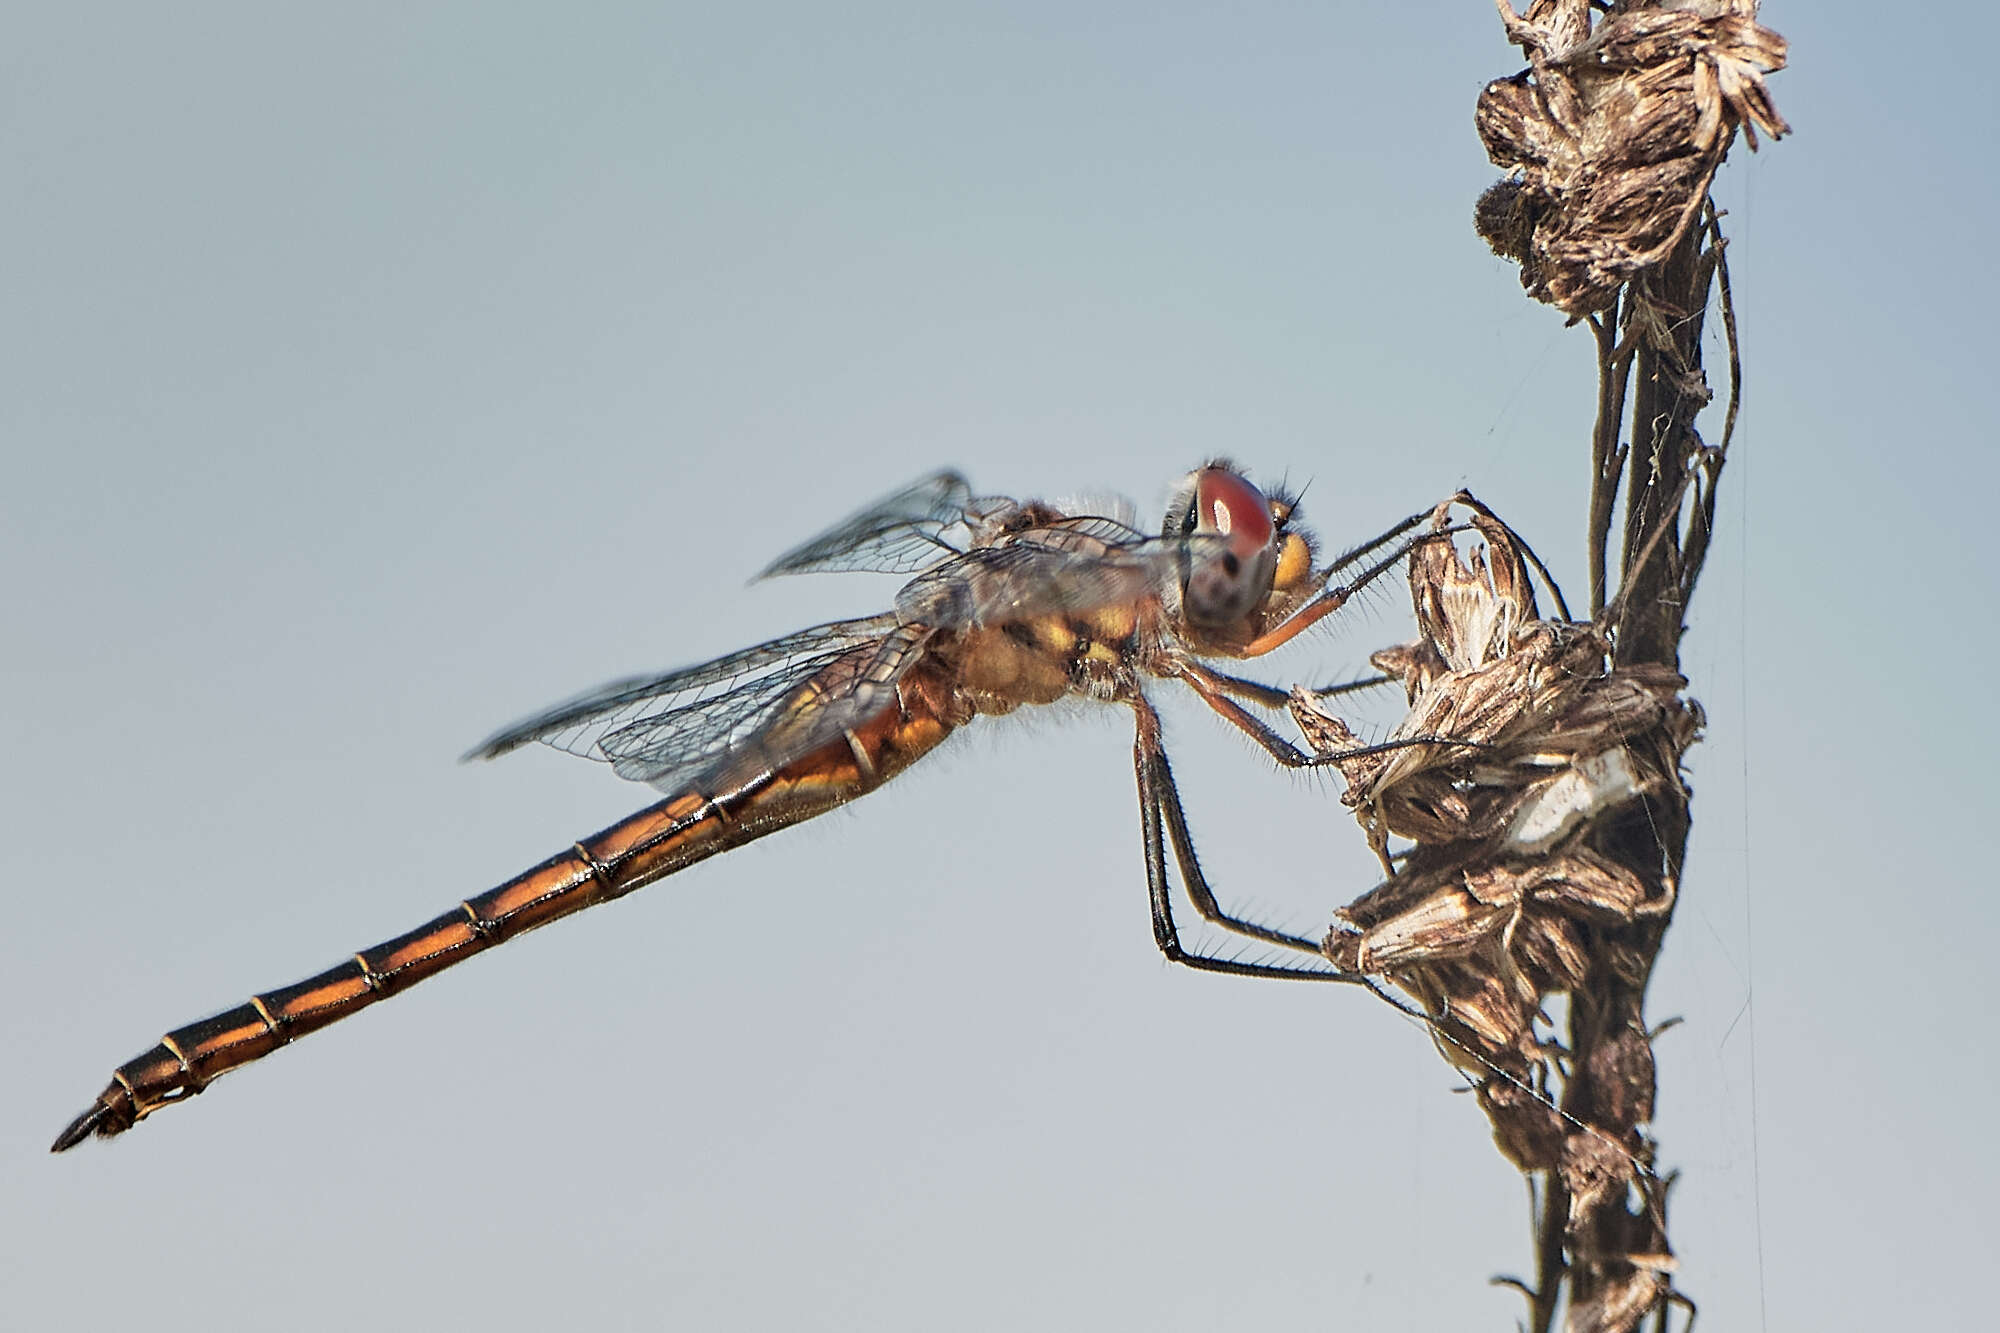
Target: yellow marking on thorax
(1111, 624)
(1000, 668)
(1052, 634)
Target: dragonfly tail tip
(100, 1120)
(79, 1129)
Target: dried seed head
(1613, 134)
(1509, 892)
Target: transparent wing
(765, 723)
(1089, 531)
(665, 727)
(1048, 574)
(900, 534)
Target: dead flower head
(1507, 892)
(1613, 134)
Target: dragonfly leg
(1353, 686)
(1241, 687)
(1338, 596)
(1220, 690)
(1162, 820)
(1215, 690)
(1272, 697)
(1354, 555)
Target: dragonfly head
(1248, 569)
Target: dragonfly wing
(1101, 529)
(580, 724)
(900, 534)
(1048, 573)
(763, 724)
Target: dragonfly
(1008, 604)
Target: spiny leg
(1355, 554)
(1215, 689)
(1329, 600)
(1161, 816)
(1353, 686)
(1338, 596)
(1167, 792)
(1272, 697)
(1241, 687)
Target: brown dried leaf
(1525, 1127)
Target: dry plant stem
(1549, 1258)
(1545, 840)
(1587, 1243)
(1592, 1224)
(1607, 454)
(1664, 564)
(1514, 889)
(1701, 525)
(1610, 139)
(1669, 393)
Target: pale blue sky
(379, 375)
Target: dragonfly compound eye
(1225, 585)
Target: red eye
(1228, 504)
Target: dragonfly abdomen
(649, 845)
